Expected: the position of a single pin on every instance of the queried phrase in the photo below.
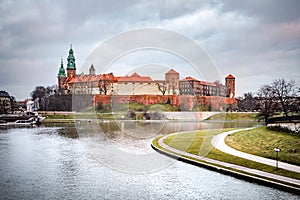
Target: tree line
(49, 99)
(280, 96)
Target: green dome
(61, 72)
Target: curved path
(176, 152)
(218, 142)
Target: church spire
(71, 66)
(92, 70)
(71, 59)
(61, 72)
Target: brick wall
(185, 102)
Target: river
(54, 163)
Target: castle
(137, 85)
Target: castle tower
(172, 79)
(92, 70)
(61, 75)
(230, 86)
(71, 66)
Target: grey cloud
(268, 10)
(173, 8)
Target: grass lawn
(234, 116)
(261, 141)
(198, 143)
(59, 116)
(138, 107)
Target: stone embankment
(183, 116)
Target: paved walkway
(233, 166)
(218, 142)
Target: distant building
(172, 79)
(135, 84)
(194, 87)
(230, 86)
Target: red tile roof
(95, 78)
(189, 79)
(172, 71)
(135, 78)
(89, 78)
(135, 75)
(207, 83)
(201, 82)
(230, 76)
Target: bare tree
(246, 102)
(104, 82)
(103, 86)
(266, 105)
(162, 87)
(283, 92)
(173, 84)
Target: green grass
(59, 116)
(137, 107)
(198, 143)
(234, 116)
(162, 108)
(262, 141)
(123, 107)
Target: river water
(54, 163)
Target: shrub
(284, 129)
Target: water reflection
(125, 145)
(140, 129)
(144, 129)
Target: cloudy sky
(257, 41)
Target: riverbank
(234, 116)
(261, 142)
(188, 147)
(71, 117)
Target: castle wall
(187, 102)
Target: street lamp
(277, 151)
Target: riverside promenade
(218, 142)
(237, 170)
